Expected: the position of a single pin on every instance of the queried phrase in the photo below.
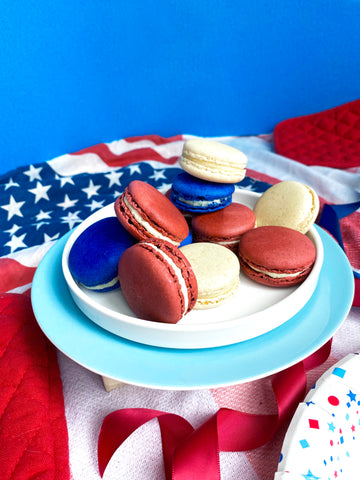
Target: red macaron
(224, 226)
(146, 213)
(276, 256)
(157, 281)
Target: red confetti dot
(333, 400)
(331, 442)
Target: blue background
(76, 73)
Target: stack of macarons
(167, 265)
(278, 252)
(205, 189)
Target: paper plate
(323, 439)
(253, 311)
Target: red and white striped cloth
(86, 402)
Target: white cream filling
(199, 203)
(232, 242)
(277, 275)
(226, 171)
(178, 274)
(217, 298)
(104, 285)
(146, 225)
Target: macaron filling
(178, 273)
(204, 203)
(146, 225)
(277, 275)
(217, 297)
(108, 285)
(208, 164)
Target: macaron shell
(213, 161)
(155, 209)
(94, 257)
(289, 204)
(226, 225)
(217, 271)
(195, 195)
(278, 251)
(150, 285)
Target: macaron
(195, 195)
(157, 281)
(276, 256)
(289, 204)
(146, 213)
(217, 272)
(94, 256)
(213, 161)
(225, 226)
(186, 214)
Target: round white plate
(323, 438)
(253, 311)
(182, 369)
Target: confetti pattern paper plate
(323, 439)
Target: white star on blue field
(38, 205)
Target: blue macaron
(94, 257)
(195, 195)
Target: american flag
(40, 203)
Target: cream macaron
(213, 161)
(217, 271)
(288, 204)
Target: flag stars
(248, 187)
(64, 180)
(134, 169)
(10, 184)
(117, 194)
(67, 203)
(33, 173)
(16, 242)
(94, 205)
(40, 224)
(114, 178)
(91, 190)
(47, 238)
(158, 175)
(43, 216)
(71, 219)
(13, 229)
(40, 191)
(13, 208)
(164, 186)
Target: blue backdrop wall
(76, 73)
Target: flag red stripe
(127, 158)
(14, 274)
(155, 139)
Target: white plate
(323, 439)
(253, 311)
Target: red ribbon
(191, 454)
